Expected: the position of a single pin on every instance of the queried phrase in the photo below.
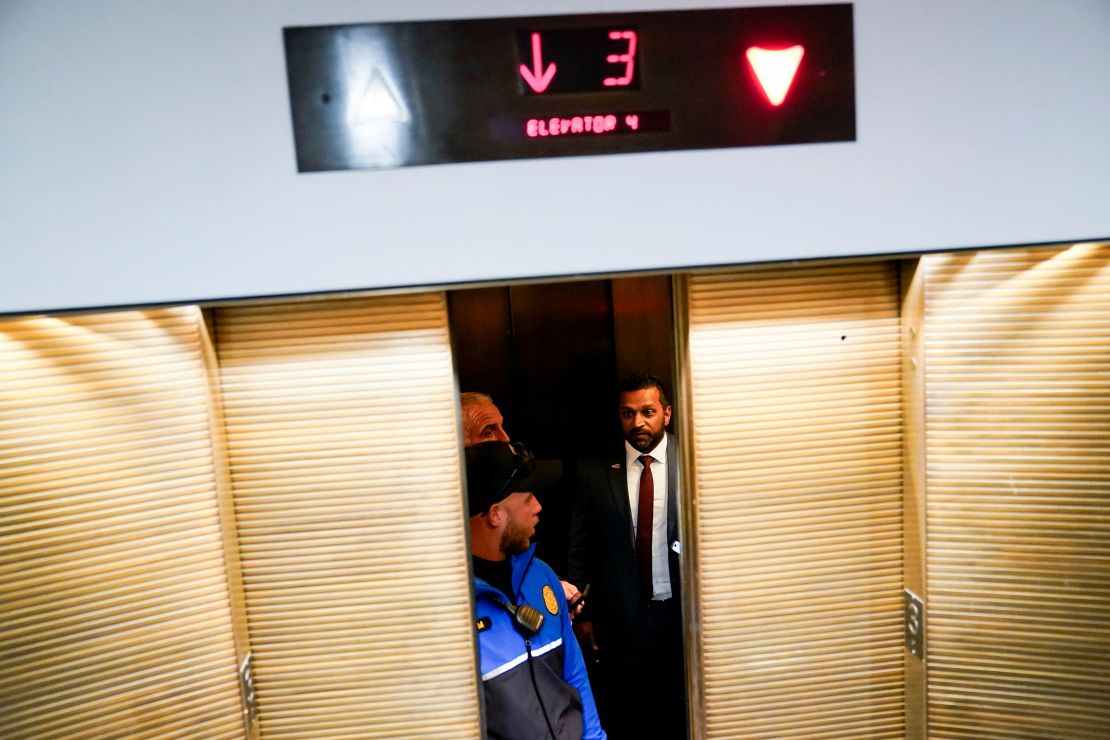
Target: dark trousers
(643, 689)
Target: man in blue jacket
(533, 677)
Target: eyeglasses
(524, 461)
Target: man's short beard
(514, 540)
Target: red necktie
(643, 526)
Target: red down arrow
(537, 78)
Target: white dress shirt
(660, 566)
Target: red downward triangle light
(775, 69)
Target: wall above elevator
(146, 157)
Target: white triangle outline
(380, 101)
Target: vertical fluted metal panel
(795, 384)
(1018, 425)
(114, 610)
(345, 465)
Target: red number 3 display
(628, 59)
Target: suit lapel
(672, 489)
(618, 489)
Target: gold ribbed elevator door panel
(345, 465)
(1018, 420)
(114, 611)
(795, 379)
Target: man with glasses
(533, 676)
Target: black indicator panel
(431, 92)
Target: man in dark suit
(624, 542)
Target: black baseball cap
(496, 469)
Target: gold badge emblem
(550, 601)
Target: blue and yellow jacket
(514, 686)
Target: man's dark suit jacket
(602, 548)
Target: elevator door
(115, 618)
(796, 556)
(1017, 427)
(343, 448)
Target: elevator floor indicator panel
(377, 95)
